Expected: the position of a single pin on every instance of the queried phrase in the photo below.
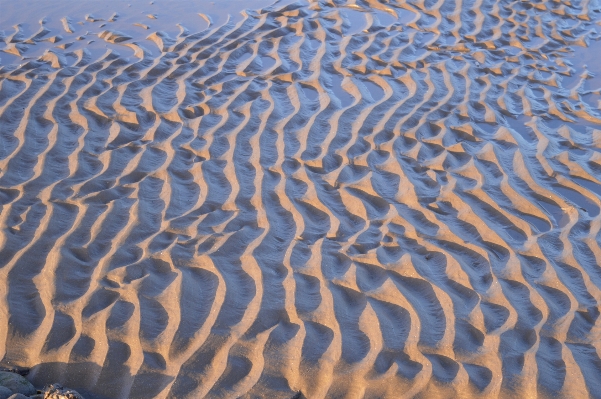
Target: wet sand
(342, 199)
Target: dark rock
(18, 396)
(5, 393)
(16, 383)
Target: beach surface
(306, 199)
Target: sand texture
(379, 199)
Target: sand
(379, 199)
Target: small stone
(19, 370)
(56, 391)
(16, 383)
(5, 393)
(19, 396)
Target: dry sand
(362, 199)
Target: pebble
(19, 370)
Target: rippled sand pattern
(274, 205)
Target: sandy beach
(302, 199)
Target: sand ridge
(346, 199)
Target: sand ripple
(362, 199)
